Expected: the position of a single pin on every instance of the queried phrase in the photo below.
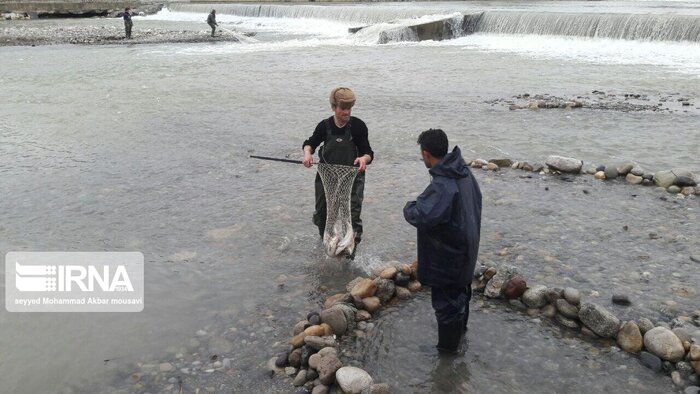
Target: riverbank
(25, 34)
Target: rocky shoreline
(316, 356)
(27, 35)
(680, 182)
(600, 100)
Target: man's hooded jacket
(448, 218)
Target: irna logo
(71, 277)
(74, 281)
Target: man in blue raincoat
(447, 216)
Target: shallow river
(145, 148)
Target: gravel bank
(12, 34)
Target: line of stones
(312, 359)
(652, 343)
(674, 181)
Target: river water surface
(145, 148)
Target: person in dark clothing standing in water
(211, 20)
(128, 24)
(345, 141)
(447, 216)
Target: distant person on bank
(447, 216)
(211, 20)
(128, 24)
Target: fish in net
(338, 237)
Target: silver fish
(337, 242)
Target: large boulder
(564, 164)
(664, 343)
(353, 380)
(599, 320)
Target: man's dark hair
(434, 141)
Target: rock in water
(599, 319)
(353, 380)
(564, 164)
(664, 343)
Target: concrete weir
(438, 30)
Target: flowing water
(145, 148)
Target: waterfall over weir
(625, 26)
(360, 14)
(615, 26)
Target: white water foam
(319, 27)
(291, 33)
(678, 56)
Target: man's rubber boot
(465, 319)
(449, 335)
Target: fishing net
(338, 236)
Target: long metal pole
(277, 159)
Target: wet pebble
(402, 279)
(549, 311)
(621, 299)
(566, 309)
(320, 389)
(290, 371)
(610, 172)
(684, 368)
(677, 379)
(535, 297)
(630, 338)
(518, 305)
(650, 361)
(300, 378)
(573, 296)
(566, 322)
(353, 379)
(600, 320)
(664, 343)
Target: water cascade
(360, 15)
(397, 21)
(614, 26)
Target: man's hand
(308, 159)
(362, 162)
